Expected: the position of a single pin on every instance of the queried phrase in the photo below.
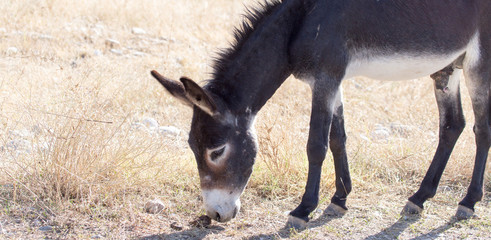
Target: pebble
(12, 50)
(112, 42)
(138, 31)
(169, 130)
(154, 206)
(98, 236)
(150, 123)
(97, 53)
(45, 228)
(116, 51)
(139, 54)
(3, 30)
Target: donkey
(323, 42)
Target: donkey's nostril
(218, 217)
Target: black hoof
(464, 213)
(411, 209)
(295, 223)
(334, 210)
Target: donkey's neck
(250, 72)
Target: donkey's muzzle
(221, 205)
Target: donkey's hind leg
(452, 123)
(478, 77)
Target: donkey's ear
(199, 97)
(174, 87)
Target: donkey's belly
(398, 66)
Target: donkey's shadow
(391, 232)
(286, 232)
(395, 230)
(193, 233)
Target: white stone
(150, 123)
(138, 53)
(12, 50)
(169, 130)
(97, 53)
(116, 51)
(112, 42)
(138, 31)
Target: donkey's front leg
(323, 101)
(337, 144)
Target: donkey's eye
(217, 153)
(217, 156)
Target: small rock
(98, 236)
(3, 30)
(169, 130)
(365, 138)
(150, 123)
(138, 31)
(97, 53)
(202, 222)
(176, 226)
(138, 53)
(46, 228)
(112, 42)
(154, 206)
(116, 51)
(99, 26)
(12, 50)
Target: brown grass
(73, 158)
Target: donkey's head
(224, 145)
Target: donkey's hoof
(335, 210)
(411, 209)
(295, 223)
(464, 213)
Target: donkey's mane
(252, 19)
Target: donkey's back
(389, 40)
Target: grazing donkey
(324, 42)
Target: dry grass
(73, 158)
